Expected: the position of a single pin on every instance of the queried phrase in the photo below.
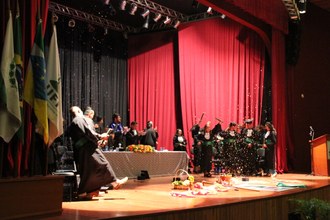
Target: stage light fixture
(195, 4)
(176, 25)
(72, 23)
(223, 16)
(167, 20)
(146, 22)
(106, 31)
(133, 9)
(302, 6)
(145, 13)
(122, 5)
(157, 17)
(55, 18)
(209, 10)
(125, 35)
(106, 2)
(90, 28)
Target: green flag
(54, 90)
(10, 115)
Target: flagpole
(1, 155)
(44, 150)
(2, 141)
(34, 121)
(18, 140)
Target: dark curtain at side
(221, 73)
(93, 67)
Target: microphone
(311, 128)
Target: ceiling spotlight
(223, 16)
(72, 23)
(209, 10)
(90, 28)
(195, 4)
(177, 23)
(106, 31)
(157, 17)
(145, 13)
(167, 20)
(55, 18)
(106, 2)
(125, 35)
(122, 5)
(146, 23)
(302, 6)
(133, 9)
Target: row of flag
(41, 87)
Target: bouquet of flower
(140, 148)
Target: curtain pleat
(221, 73)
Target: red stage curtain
(221, 72)
(151, 91)
(279, 99)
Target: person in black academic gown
(206, 141)
(94, 169)
(150, 136)
(179, 141)
(132, 136)
(269, 145)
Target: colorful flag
(54, 90)
(10, 115)
(35, 84)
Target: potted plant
(313, 209)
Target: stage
(152, 199)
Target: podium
(320, 155)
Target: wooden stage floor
(152, 199)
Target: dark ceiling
(324, 4)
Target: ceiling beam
(92, 19)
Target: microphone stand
(311, 134)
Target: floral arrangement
(183, 184)
(140, 148)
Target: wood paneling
(31, 197)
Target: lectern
(320, 150)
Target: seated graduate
(179, 141)
(94, 169)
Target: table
(161, 163)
